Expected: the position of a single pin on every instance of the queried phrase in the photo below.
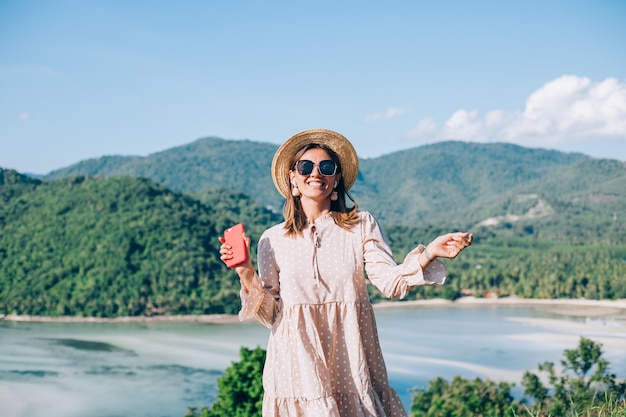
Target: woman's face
(315, 186)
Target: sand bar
(203, 318)
(573, 307)
(566, 307)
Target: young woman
(323, 355)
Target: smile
(316, 184)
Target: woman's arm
(259, 297)
(420, 266)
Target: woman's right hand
(226, 254)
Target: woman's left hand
(449, 245)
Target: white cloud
(425, 128)
(390, 113)
(23, 117)
(464, 125)
(565, 110)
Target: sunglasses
(327, 168)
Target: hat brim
(348, 159)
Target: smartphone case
(234, 237)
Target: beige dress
(323, 354)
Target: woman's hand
(449, 245)
(226, 254)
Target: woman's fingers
(225, 250)
(225, 253)
(456, 242)
(465, 238)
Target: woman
(323, 355)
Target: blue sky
(82, 79)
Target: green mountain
(516, 190)
(452, 182)
(116, 247)
(13, 184)
(118, 236)
(206, 164)
(123, 245)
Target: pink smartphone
(234, 237)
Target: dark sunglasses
(327, 168)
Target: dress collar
(321, 220)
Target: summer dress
(323, 354)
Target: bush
(584, 388)
(240, 388)
(584, 383)
(463, 397)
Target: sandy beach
(202, 318)
(571, 307)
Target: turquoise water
(157, 369)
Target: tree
(463, 397)
(240, 389)
(583, 381)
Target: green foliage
(13, 184)
(451, 182)
(240, 208)
(126, 246)
(547, 225)
(205, 164)
(240, 389)
(519, 191)
(463, 397)
(583, 387)
(117, 247)
(583, 382)
(520, 265)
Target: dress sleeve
(393, 280)
(262, 300)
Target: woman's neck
(313, 210)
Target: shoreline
(201, 318)
(580, 306)
(574, 307)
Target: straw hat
(348, 159)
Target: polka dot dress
(323, 355)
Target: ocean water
(158, 369)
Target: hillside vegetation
(582, 386)
(116, 247)
(547, 225)
(206, 164)
(547, 194)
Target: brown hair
(295, 219)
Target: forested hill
(524, 191)
(206, 164)
(138, 235)
(421, 176)
(13, 184)
(121, 246)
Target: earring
(294, 190)
(333, 195)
